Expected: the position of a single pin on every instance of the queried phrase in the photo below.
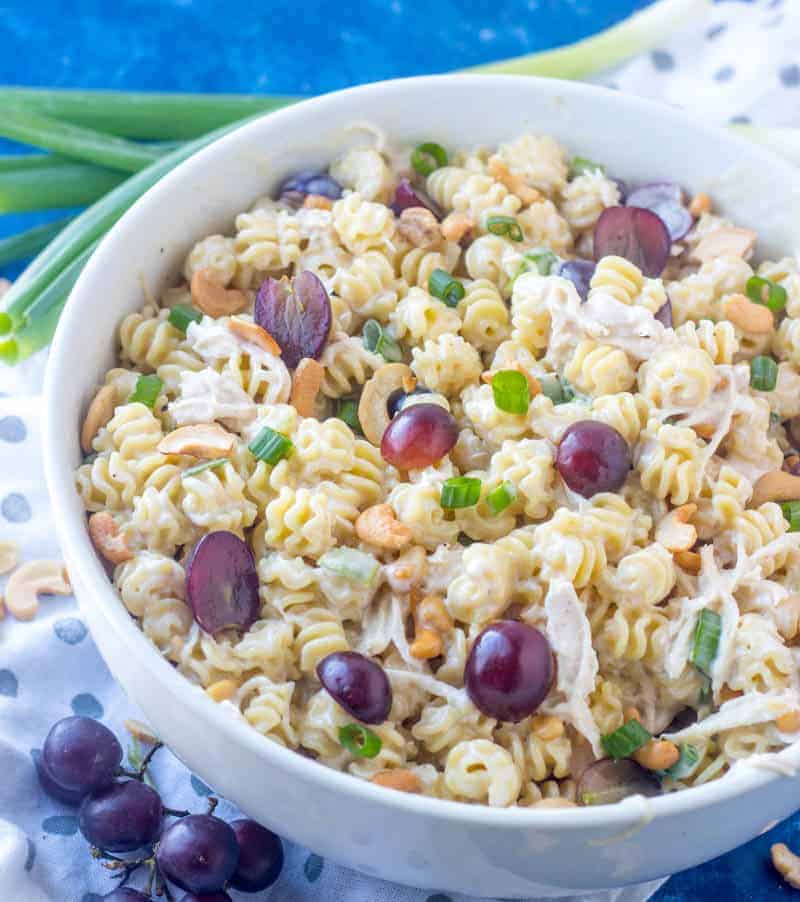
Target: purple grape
(792, 427)
(636, 234)
(593, 457)
(509, 670)
(419, 436)
(666, 200)
(121, 817)
(664, 314)
(80, 755)
(609, 781)
(126, 894)
(580, 273)
(397, 399)
(198, 853)
(622, 187)
(49, 785)
(406, 196)
(297, 317)
(309, 182)
(358, 684)
(220, 896)
(260, 858)
(222, 583)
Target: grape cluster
(81, 764)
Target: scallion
(686, 765)
(553, 388)
(763, 373)
(763, 291)
(705, 644)
(623, 742)
(347, 410)
(352, 564)
(583, 165)
(30, 242)
(270, 446)
(181, 315)
(147, 390)
(460, 491)
(378, 340)
(511, 391)
(205, 465)
(540, 257)
(791, 511)
(359, 740)
(427, 157)
(443, 286)
(506, 226)
(499, 499)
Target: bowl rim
(95, 584)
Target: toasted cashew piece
(306, 383)
(674, 531)
(554, 803)
(786, 863)
(515, 184)
(254, 335)
(688, 560)
(9, 556)
(222, 690)
(317, 202)
(379, 526)
(432, 622)
(214, 299)
(206, 440)
(534, 386)
(108, 539)
(419, 226)
(400, 779)
(727, 694)
(701, 203)
(776, 485)
(140, 731)
(99, 413)
(749, 317)
(29, 581)
(789, 722)
(730, 241)
(456, 226)
(658, 754)
(705, 430)
(547, 726)
(408, 571)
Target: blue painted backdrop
(284, 47)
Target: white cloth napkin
(735, 62)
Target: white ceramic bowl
(411, 839)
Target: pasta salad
(472, 474)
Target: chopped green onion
(350, 563)
(30, 242)
(347, 410)
(553, 389)
(270, 446)
(583, 165)
(443, 286)
(205, 465)
(506, 226)
(378, 340)
(359, 740)
(461, 491)
(622, 743)
(706, 695)
(685, 765)
(147, 390)
(763, 373)
(182, 314)
(427, 157)
(542, 258)
(511, 391)
(763, 291)
(791, 511)
(706, 640)
(499, 499)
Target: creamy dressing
(207, 395)
(747, 710)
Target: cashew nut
(776, 485)
(786, 863)
(554, 803)
(419, 226)
(317, 202)
(9, 556)
(432, 622)
(789, 722)
(701, 203)
(534, 386)
(306, 384)
(400, 779)
(730, 241)
(408, 571)
(32, 579)
(705, 430)
(456, 226)
(215, 299)
(726, 694)
(547, 727)
(379, 526)
(99, 413)
(675, 532)
(222, 690)
(253, 334)
(658, 754)
(515, 183)
(749, 317)
(206, 440)
(373, 413)
(108, 539)
(140, 731)
(688, 560)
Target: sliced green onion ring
(542, 258)
(147, 390)
(182, 314)
(347, 410)
(499, 499)
(378, 340)
(763, 291)
(506, 226)
(443, 286)
(763, 373)
(622, 743)
(791, 511)
(511, 391)
(270, 446)
(706, 640)
(583, 165)
(205, 465)
(427, 157)
(461, 491)
(359, 740)
(352, 564)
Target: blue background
(307, 48)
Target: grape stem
(147, 759)
(212, 804)
(174, 812)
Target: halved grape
(358, 684)
(222, 583)
(310, 182)
(509, 670)
(406, 195)
(609, 781)
(297, 316)
(636, 234)
(593, 457)
(260, 857)
(80, 754)
(121, 817)
(126, 894)
(580, 273)
(666, 200)
(664, 314)
(199, 853)
(419, 436)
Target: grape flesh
(593, 457)
(198, 853)
(358, 684)
(419, 436)
(260, 856)
(509, 670)
(406, 196)
(636, 234)
(665, 199)
(80, 755)
(121, 817)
